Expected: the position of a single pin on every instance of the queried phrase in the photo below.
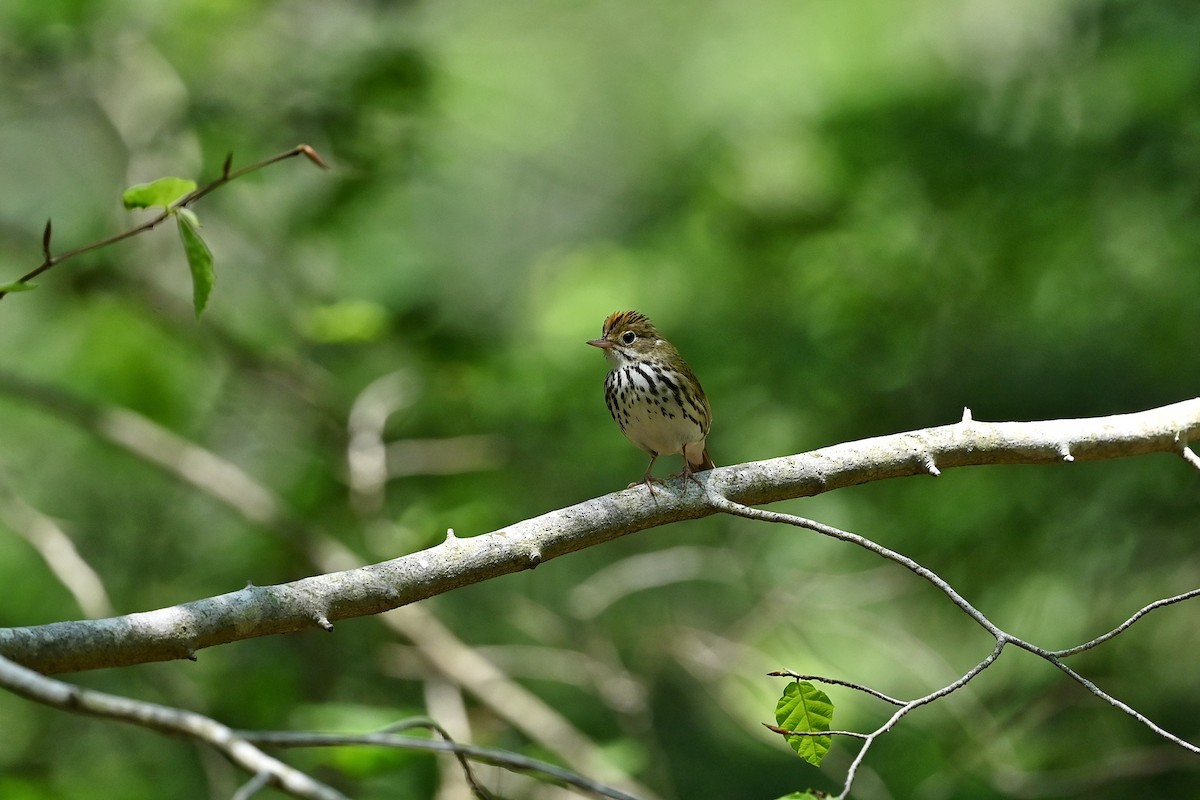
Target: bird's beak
(603, 344)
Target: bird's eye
(628, 336)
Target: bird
(653, 395)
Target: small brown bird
(653, 394)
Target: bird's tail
(704, 463)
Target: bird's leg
(647, 478)
(687, 474)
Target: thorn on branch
(928, 464)
(46, 242)
(323, 622)
(966, 417)
(1189, 455)
(1064, 450)
(225, 167)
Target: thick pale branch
(180, 631)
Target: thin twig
(1166, 601)
(1002, 637)
(737, 509)
(786, 732)
(64, 696)
(484, 755)
(787, 673)
(424, 722)
(252, 786)
(1112, 701)
(49, 260)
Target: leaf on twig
(804, 707)
(199, 258)
(162, 192)
(16, 286)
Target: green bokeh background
(852, 218)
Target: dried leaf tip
(312, 156)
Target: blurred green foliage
(852, 218)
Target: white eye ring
(628, 336)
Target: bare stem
(64, 696)
(485, 755)
(49, 260)
(1002, 637)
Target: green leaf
(200, 260)
(161, 192)
(804, 707)
(809, 795)
(17, 286)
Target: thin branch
(1002, 637)
(64, 696)
(1112, 701)
(787, 673)
(786, 732)
(484, 755)
(49, 260)
(1166, 601)
(737, 509)
(476, 788)
(252, 786)
(900, 713)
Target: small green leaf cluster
(170, 194)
